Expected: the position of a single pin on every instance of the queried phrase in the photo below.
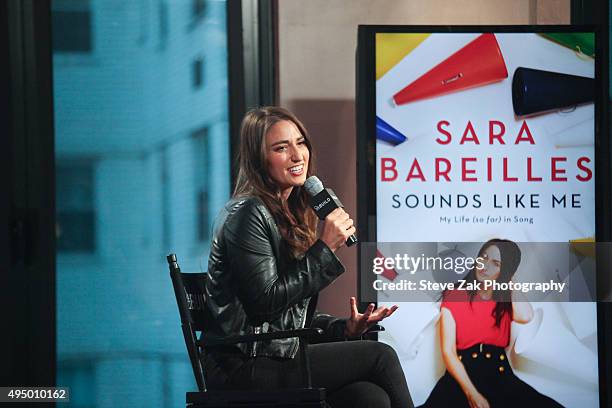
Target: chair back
(190, 293)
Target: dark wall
(27, 278)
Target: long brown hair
(510, 259)
(296, 220)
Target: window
(203, 216)
(75, 228)
(71, 26)
(165, 198)
(80, 375)
(163, 24)
(132, 108)
(197, 73)
(201, 167)
(198, 8)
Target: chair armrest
(375, 329)
(370, 333)
(250, 338)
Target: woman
(474, 331)
(266, 268)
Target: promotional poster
(482, 136)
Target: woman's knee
(362, 394)
(385, 352)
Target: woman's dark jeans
(355, 374)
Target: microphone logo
(319, 206)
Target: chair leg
(303, 344)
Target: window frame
(28, 208)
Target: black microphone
(323, 201)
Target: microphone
(323, 201)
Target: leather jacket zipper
(256, 330)
(302, 322)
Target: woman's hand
(337, 227)
(359, 323)
(476, 400)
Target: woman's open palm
(359, 323)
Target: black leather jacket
(253, 287)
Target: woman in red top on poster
(475, 330)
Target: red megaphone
(478, 63)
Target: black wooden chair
(191, 299)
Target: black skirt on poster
(490, 372)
